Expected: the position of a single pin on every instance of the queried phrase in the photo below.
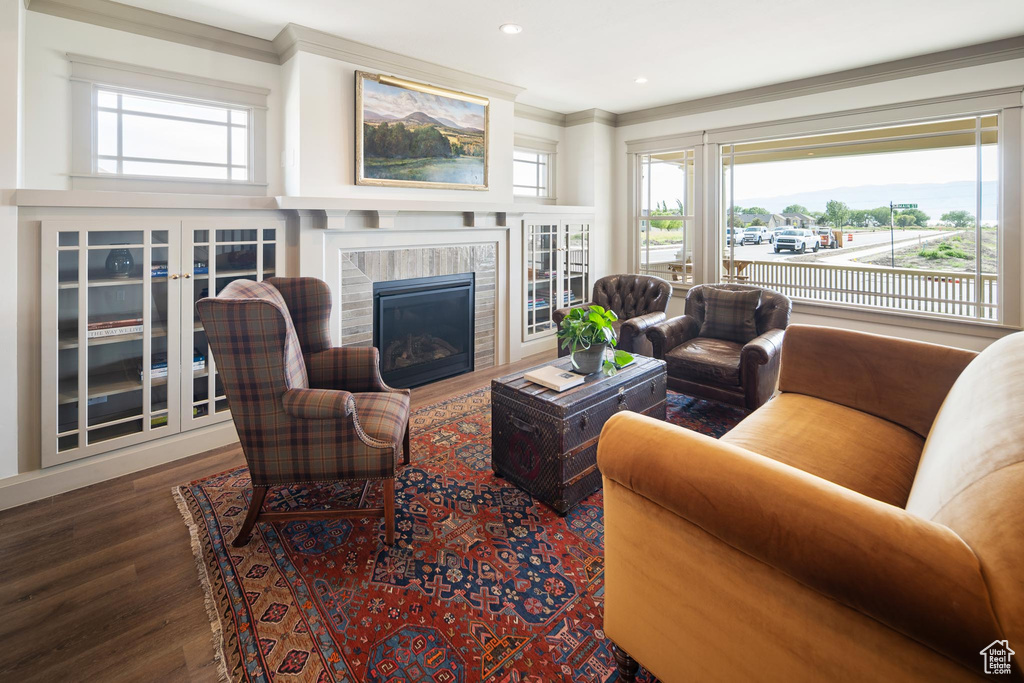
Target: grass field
(955, 253)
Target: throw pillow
(729, 314)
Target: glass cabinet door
(216, 254)
(575, 278)
(109, 312)
(541, 242)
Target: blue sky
(398, 102)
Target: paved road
(766, 252)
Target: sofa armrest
(763, 348)
(895, 379)
(641, 323)
(558, 315)
(318, 404)
(667, 335)
(348, 368)
(911, 574)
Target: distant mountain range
(417, 118)
(934, 199)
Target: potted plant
(588, 332)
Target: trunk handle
(522, 424)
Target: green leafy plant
(585, 327)
(620, 359)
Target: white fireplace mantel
(383, 213)
(329, 213)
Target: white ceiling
(579, 54)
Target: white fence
(904, 289)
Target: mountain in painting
(374, 117)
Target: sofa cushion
(703, 359)
(730, 315)
(862, 452)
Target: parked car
(796, 239)
(730, 234)
(755, 234)
(830, 238)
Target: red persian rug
(482, 584)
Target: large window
(148, 135)
(665, 214)
(900, 217)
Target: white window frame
(672, 143)
(1006, 103)
(548, 149)
(89, 75)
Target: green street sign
(904, 206)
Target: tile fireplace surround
(360, 269)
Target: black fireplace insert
(424, 328)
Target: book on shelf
(158, 368)
(113, 322)
(554, 378)
(99, 332)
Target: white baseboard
(39, 484)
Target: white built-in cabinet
(124, 356)
(556, 269)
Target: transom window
(152, 135)
(531, 173)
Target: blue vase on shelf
(120, 263)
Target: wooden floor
(99, 584)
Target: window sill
(535, 200)
(95, 181)
(973, 328)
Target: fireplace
(423, 328)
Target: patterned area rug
(482, 584)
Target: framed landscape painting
(412, 134)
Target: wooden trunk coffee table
(545, 442)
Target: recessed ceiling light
(510, 29)
(640, 81)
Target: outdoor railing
(903, 289)
(931, 292)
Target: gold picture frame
(427, 139)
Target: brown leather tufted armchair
(742, 374)
(639, 301)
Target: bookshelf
(556, 251)
(125, 358)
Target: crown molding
(108, 64)
(296, 38)
(527, 111)
(974, 55)
(156, 25)
(291, 39)
(592, 116)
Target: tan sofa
(865, 524)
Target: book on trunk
(554, 378)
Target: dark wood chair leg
(255, 505)
(389, 511)
(628, 667)
(406, 450)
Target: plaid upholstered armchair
(305, 411)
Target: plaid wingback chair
(305, 411)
